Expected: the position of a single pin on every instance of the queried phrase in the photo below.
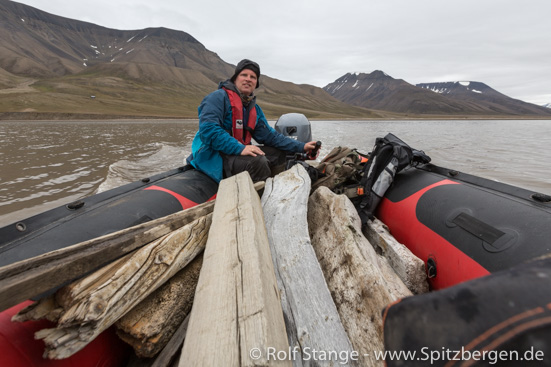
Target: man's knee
(259, 168)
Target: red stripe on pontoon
(185, 202)
(402, 220)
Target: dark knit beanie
(247, 64)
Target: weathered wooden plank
(311, 318)
(149, 326)
(360, 282)
(409, 267)
(236, 306)
(94, 303)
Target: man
(228, 119)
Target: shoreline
(60, 116)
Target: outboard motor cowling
(295, 126)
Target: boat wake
(167, 157)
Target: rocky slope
(380, 91)
(50, 64)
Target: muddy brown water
(45, 164)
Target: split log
(237, 306)
(149, 326)
(50, 307)
(94, 303)
(311, 318)
(47, 308)
(409, 267)
(361, 282)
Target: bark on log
(361, 282)
(409, 267)
(149, 326)
(169, 355)
(94, 303)
(311, 318)
(237, 306)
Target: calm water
(47, 164)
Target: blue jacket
(214, 135)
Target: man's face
(246, 82)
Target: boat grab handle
(482, 230)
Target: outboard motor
(295, 126)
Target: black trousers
(259, 167)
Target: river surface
(45, 164)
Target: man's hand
(310, 147)
(252, 150)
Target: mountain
(483, 95)
(36, 43)
(55, 67)
(379, 91)
(50, 64)
(548, 105)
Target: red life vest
(239, 129)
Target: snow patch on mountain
(437, 90)
(447, 88)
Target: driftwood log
(311, 318)
(149, 326)
(237, 306)
(409, 267)
(361, 282)
(92, 304)
(25, 279)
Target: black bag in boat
(390, 155)
(502, 319)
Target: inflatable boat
(88, 218)
(463, 226)
(19, 347)
(487, 250)
(107, 212)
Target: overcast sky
(503, 43)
